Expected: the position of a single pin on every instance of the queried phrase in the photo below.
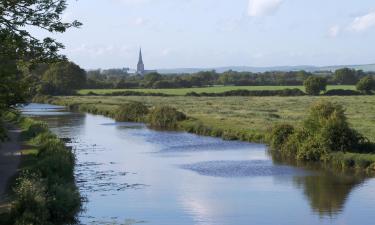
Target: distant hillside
(367, 67)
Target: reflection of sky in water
(129, 172)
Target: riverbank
(242, 118)
(44, 190)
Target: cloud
(334, 31)
(140, 21)
(363, 23)
(259, 8)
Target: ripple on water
(249, 168)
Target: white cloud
(263, 7)
(140, 21)
(363, 23)
(334, 31)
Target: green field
(247, 115)
(216, 89)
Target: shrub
(329, 121)
(65, 203)
(132, 112)
(279, 135)
(324, 131)
(366, 85)
(314, 85)
(312, 149)
(294, 142)
(30, 206)
(165, 117)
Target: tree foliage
(346, 76)
(63, 78)
(325, 130)
(314, 85)
(366, 84)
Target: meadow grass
(215, 89)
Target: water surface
(133, 175)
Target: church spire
(140, 65)
(140, 60)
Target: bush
(65, 203)
(279, 135)
(30, 206)
(165, 117)
(293, 144)
(312, 149)
(314, 85)
(366, 85)
(323, 132)
(132, 112)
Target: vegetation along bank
(242, 118)
(44, 191)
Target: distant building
(141, 66)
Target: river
(130, 174)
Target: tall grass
(132, 112)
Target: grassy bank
(239, 118)
(216, 89)
(45, 190)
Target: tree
(151, 78)
(366, 85)
(63, 78)
(314, 85)
(18, 48)
(346, 76)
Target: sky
(215, 33)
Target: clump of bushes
(323, 132)
(165, 117)
(314, 85)
(46, 193)
(132, 112)
(366, 85)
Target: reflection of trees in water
(327, 192)
(70, 124)
(326, 189)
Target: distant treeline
(64, 78)
(119, 79)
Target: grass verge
(44, 192)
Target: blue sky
(212, 33)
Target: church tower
(140, 65)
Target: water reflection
(327, 193)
